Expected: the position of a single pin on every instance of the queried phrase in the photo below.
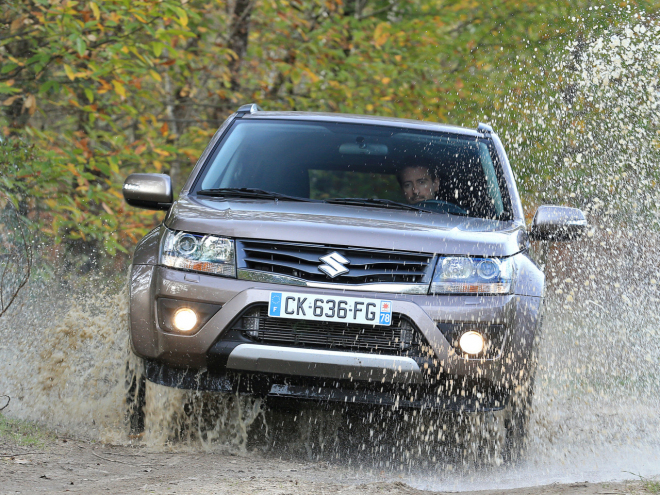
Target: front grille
(303, 261)
(401, 338)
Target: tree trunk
(237, 41)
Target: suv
(349, 258)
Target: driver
(418, 183)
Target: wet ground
(67, 465)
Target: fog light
(251, 323)
(471, 343)
(185, 319)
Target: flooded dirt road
(66, 465)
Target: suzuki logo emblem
(334, 264)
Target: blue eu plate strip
(275, 306)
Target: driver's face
(417, 184)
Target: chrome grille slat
(256, 325)
(314, 259)
(312, 269)
(285, 264)
(302, 261)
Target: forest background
(93, 91)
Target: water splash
(65, 353)
(587, 135)
(62, 358)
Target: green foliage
(651, 486)
(23, 433)
(97, 90)
(86, 75)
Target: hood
(351, 226)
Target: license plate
(330, 308)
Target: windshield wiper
(248, 192)
(379, 203)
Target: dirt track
(65, 465)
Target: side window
(226, 154)
(492, 184)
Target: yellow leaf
(312, 76)
(155, 75)
(69, 72)
(183, 19)
(17, 23)
(385, 80)
(119, 89)
(11, 100)
(95, 9)
(72, 168)
(378, 31)
(379, 36)
(30, 104)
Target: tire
(135, 383)
(480, 437)
(494, 438)
(517, 423)
(519, 409)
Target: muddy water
(62, 356)
(596, 412)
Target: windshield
(361, 165)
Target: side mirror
(150, 191)
(558, 223)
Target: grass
(648, 485)
(651, 486)
(24, 433)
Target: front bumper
(295, 367)
(320, 363)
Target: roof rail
(484, 129)
(249, 108)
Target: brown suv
(344, 258)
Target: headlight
(463, 275)
(200, 253)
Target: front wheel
(497, 437)
(517, 421)
(135, 383)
